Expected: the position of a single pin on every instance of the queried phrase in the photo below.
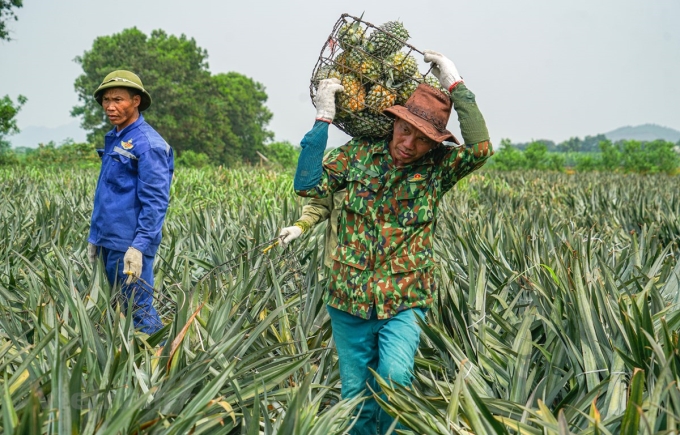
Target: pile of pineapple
(377, 70)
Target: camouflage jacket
(384, 256)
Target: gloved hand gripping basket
(377, 68)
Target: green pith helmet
(123, 79)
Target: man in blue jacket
(132, 195)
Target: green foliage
(192, 159)
(554, 162)
(642, 157)
(222, 116)
(610, 156)
(68, 154)
(508, 158)
(573, 144)
(8, 157)
(664, 155)
(536, 155)
(283, 153)
(8, 122)
(6, 13)
(550, 145)
(239, 103)
(576, 144)
(584, 162)
(626, 156)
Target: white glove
(133, 264)
(289, 234)
(324, 100)
(91, 252)
(443, 68)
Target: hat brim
(421, 124)
(143, 105)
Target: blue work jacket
(133, 189)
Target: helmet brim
(146, 98)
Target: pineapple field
(557, 312)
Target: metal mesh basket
(373, 81)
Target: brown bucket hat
(428, 109)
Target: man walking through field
(132, 196)
(382, 277)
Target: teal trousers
(387, 346)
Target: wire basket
(377, 68)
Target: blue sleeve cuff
(310, 162)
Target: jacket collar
(124, 131)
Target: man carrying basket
(382, 279)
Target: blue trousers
(387, 346)
(144, 315)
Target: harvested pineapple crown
(377, 69)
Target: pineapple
(325, 72)
(368, 124)
(345, 62)
(379, 98)
(408, 87)
(434, 82)
(405, 90)
(401, 66)
(351, 35)
(381, 44)
(353, 98)
(366, 67)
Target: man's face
(408, 144)
(120, 107)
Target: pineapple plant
(381, 44)
(380, 97)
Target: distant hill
(645, 132)
(31, 136)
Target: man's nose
(409, 142)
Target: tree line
(651, 157)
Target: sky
(540, 69)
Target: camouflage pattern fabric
(384, 256)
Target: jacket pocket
(362, 189)
(350, 256)
(415, 202)
(411, 262)
(121, 174)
